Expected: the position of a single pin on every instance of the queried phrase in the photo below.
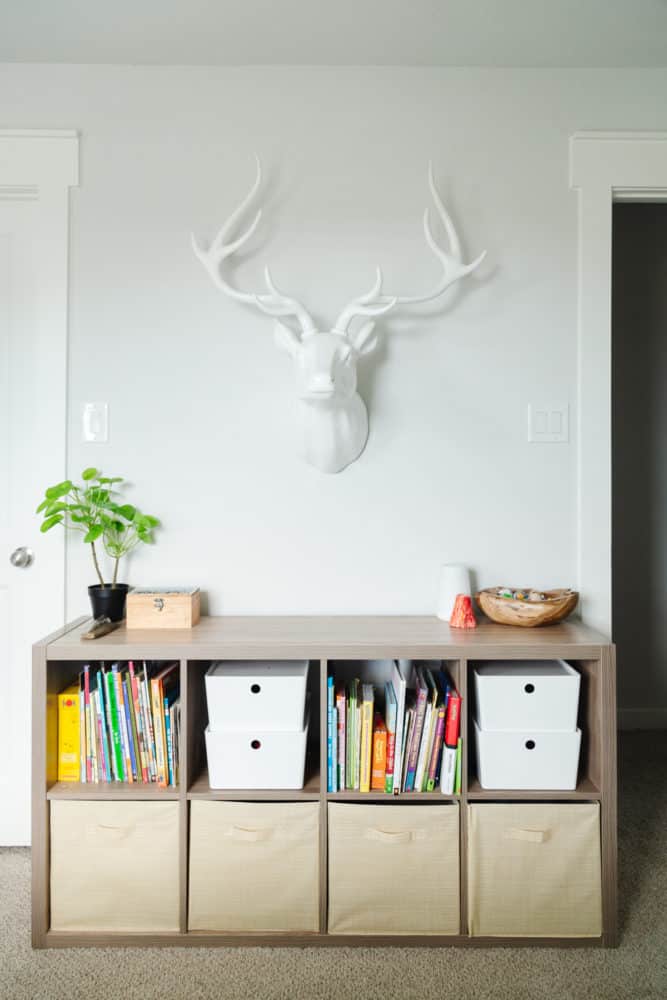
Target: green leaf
(127, 511)
(59, 490)
(80, 519)
(94, 533)
(55, 507)
(50, 521)
(109, 481)
(45, 502)
(89, 474)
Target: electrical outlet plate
(548, 423)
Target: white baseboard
(642, 718)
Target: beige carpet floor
(634, 971)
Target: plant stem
(97, 565)
(115, 573)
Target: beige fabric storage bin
(534, 869)
(254, 866)
(393, 869)
(114, 866)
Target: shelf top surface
(329, 637)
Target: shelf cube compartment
(114, 866)
(534, 870)
(254, 866)
(393, 869)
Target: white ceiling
(530, 33)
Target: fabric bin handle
(113, 832)
(248, 835)
(393, 836)
(532, 836)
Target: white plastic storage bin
(114, 866)
(256, 758)
(393, 869)
(534, 869)
(537, 760)
(254, 866)
(254, 694)
(532, 694)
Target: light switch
(548, 423)
(96, 422)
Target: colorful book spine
(357, 742)
(330, 704)
(423, 749)
(453, 721)
(139, 722)
(107, 709)
(457, 775)
(351, 722)
(69, 734)
(157, 693)
(83, 776)
(148, 718)
(450, 748)
(101, 699)
(379, 760)
(414, 744)
(340, 709)
(115, 724)
(437, 749)
(131, 746)
(366, 747)
(122, 722)
(101, 757)
(89, 741)
(170, 746)
(390, 723)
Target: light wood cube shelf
(57, 660)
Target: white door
(33, 367)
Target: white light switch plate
(548, 423)
(96, 422)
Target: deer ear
(364, 340)
(286, 339)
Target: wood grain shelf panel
(200, 789)
(109, 791)
(406, 797)
(338, 637)
(585, 790)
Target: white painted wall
(199, 396)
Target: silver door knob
(21, 557)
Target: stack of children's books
(121, 723)
(387, 738)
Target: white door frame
(37, 169)
(604, 167)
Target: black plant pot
(108, 602)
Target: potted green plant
(95, 509)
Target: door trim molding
(604, 167)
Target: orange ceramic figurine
(462, 613)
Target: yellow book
(69, 736)
(366, 737)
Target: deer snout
(322, 385)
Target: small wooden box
(177, 608)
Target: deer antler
(374, 303)
(275, 302)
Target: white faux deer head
(333, 415)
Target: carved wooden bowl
(557, 604)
